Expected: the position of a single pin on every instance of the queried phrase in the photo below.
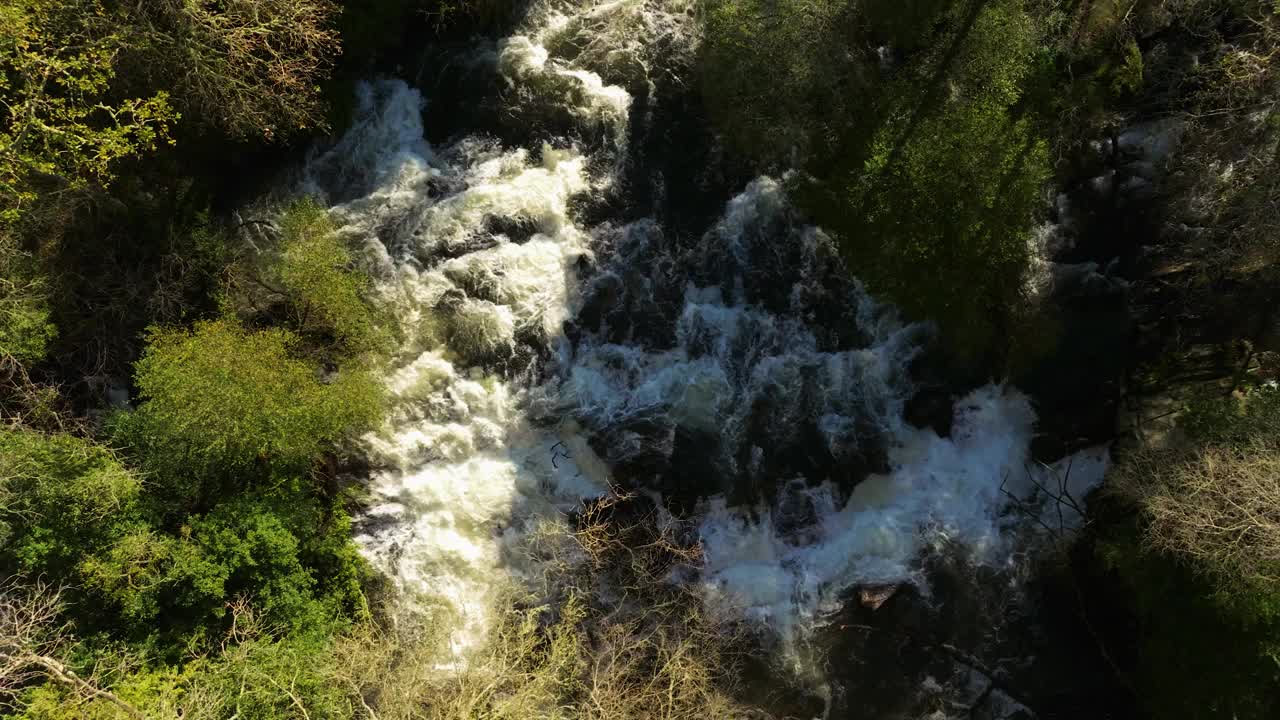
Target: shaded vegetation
(178, 406)
(927, 158)
(223, 402)
(1200, 561)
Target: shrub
(60, 497)
(249, 68)
(312, 272)
(260, 675)
(61, 124)
(926, 162)
(25, 329)
(242, 549)
(223, 402)
(936, 211)
(1216, 500)
(1202, 561)
(285, 551)
(801, 47)
(581, 651)
(1204, 650)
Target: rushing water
(740, 374)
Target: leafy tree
(936, 211)
(311, 272)
(262, 674)
(60, 498)
(924, 158)
(86, 84)
(815, 83)
(249, 68)
(130, 577)
(60, 122)
(242, 548)
(69, 511)
(25, 328)
(287, 552)
(223, 402)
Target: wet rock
(449, 302)
(480, 333)
(442, 251)
(1152, 141)
(118, 395)
(572, 332)
(997, 705)
(931, 407)
(516, 229)
(695, 470)
(1087, 281)
(601, 299)
(638, 447)
(874, 596)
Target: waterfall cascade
(544, 361)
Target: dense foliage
(223, 402)
(178, 406)
(308, 283)
(61, 123)
(25, 330)
(1201, 558)
(132, 563)
(926, 158)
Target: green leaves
(922, 158)
(25, 329)
(224, 402)
(314, 269)
(242, 547)
(60, 496)
(59, 119)
(71, 512)
(308, 282)
(262, 678)
(777, 75)
(938, 216)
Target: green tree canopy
(922, 154)
(312, 272)
(25, 327)
(60, 497)
(223, 402)
(936, 211)
(59, 120)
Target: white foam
(463, 475)
(939, 490)
(791, 561)
(528, 66)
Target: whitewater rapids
(518, 393)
